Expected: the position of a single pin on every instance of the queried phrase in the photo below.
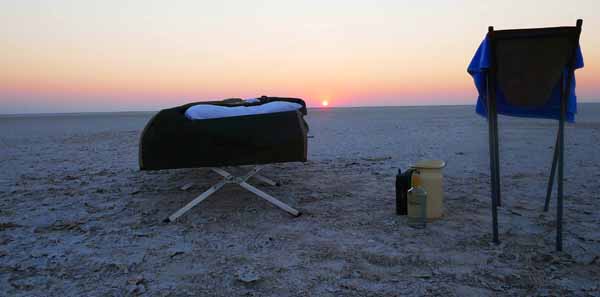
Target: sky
(123, 55)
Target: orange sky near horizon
(144, 55)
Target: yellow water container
(430, 174)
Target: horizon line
(308, 107)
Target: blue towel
(551, 110)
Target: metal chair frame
(558, 158)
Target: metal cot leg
(242, 181)
(197, 200)
(266, 180)
(270, 198)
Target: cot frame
(242, 181)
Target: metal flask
(417, 204)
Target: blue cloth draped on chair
(480, 63)
(528, 73)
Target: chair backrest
(528, 63)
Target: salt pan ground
(77, 218)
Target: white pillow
(209, 111)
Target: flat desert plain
(77, 217)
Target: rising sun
(325, 103)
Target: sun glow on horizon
(146, 55)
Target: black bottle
(401, 192)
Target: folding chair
(528, 73)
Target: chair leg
(559, 205)
(497, 162)
(552, 176)
(492, 116)
(493, 179)
(496, 193)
